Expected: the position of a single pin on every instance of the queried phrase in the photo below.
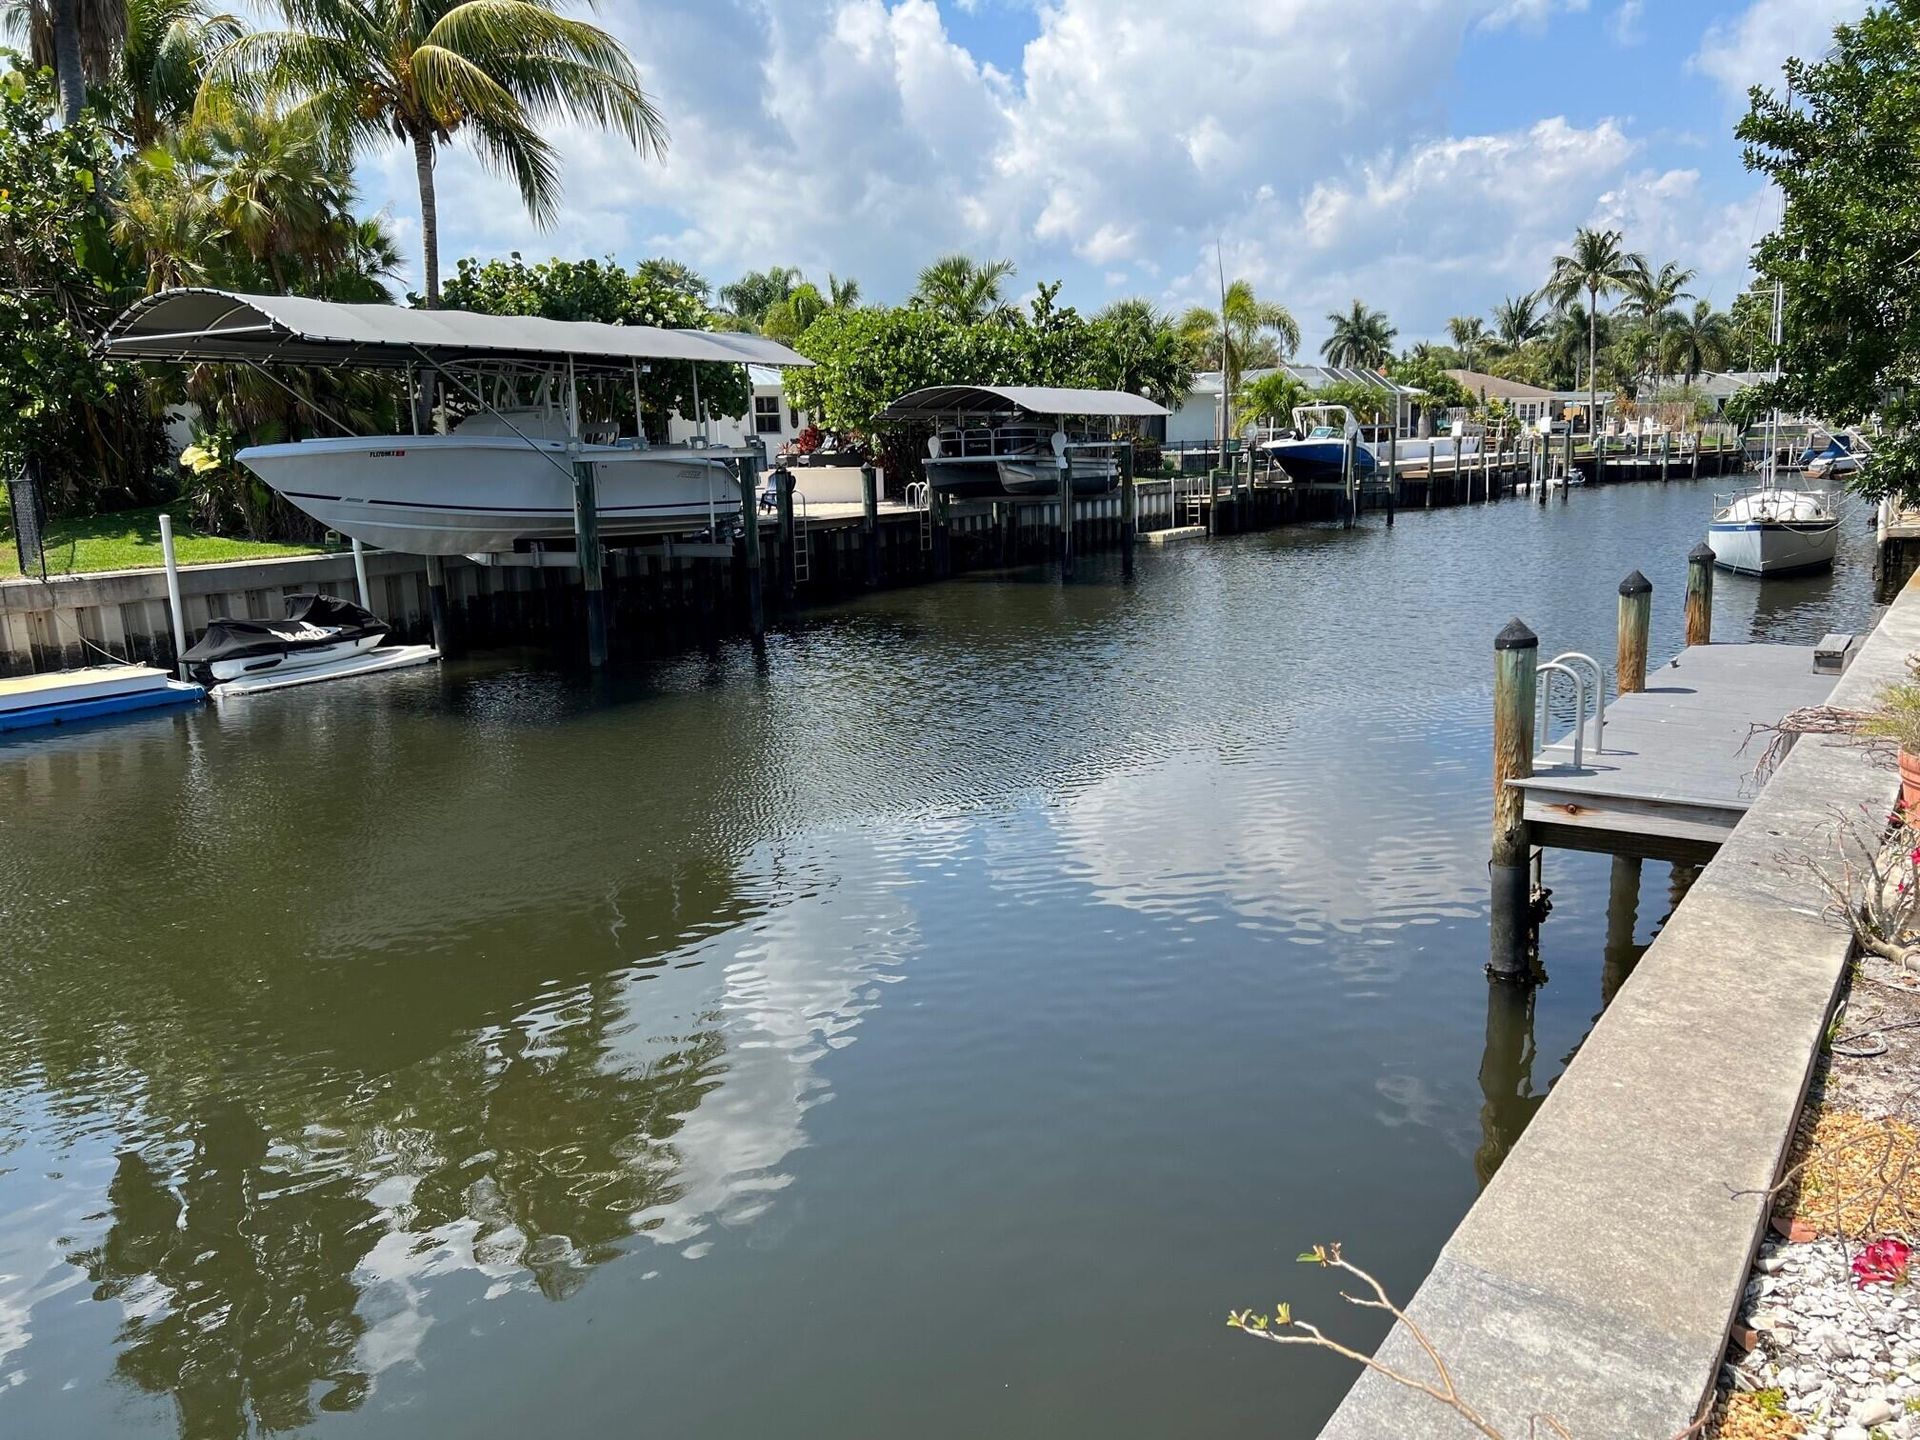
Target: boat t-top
(508, 472)
(991, 441)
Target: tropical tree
(1361, 338)
(842, 294)
(497, 73)
(1246, 334)
(1652, 293)
(163, 62)
(1597, 264)
(674, 275)
(1273, 396)
(962, 289)
(1140, 350)
(787, 319)
(749, 298)
(1468, 333)
(77, 39)
(1517, 320)
(1698, 341)
(1571, 335)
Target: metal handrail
(919, 495)
(1599, 695)
(1550, 669)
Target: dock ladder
(802, 548)
(1576, 667)
(920, 497)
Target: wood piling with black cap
(1700, 594)
(1636, 623)
(1516, 652)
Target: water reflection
(1508, 1098)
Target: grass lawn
(128, 540)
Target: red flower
(1882, 1262)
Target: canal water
(930, 1025)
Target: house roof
(1314, 377)
(1496, 387)
(192, 325)
(938, 401)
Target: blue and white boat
(1768, 530)
(1315, 451)
(1845, 452)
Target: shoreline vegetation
(130, 540)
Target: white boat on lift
(498, 478)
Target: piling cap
(1702, 552)
(1516, 637)
(1636, 584)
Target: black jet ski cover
(311, 620)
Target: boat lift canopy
(191, 326)
(938, 402)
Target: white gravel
(1847, 1359)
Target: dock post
(870, 522)
(1347, 483)
(174, 610)
(1666, 453)
(1393, 473)
(1623, 915)
(1516, 651)
(1066, 507)
(1456, 473)
(1700, 594)
(1566, 455)
(360, 576)
(783, 483)
(1213, 500)
(1636, 619)
(1699, 443)
(750, 542)
(586, 539)
(1129, 500)
(437, 604)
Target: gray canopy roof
(193, 325)
(940, 401)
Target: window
(766, 414)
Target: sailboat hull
(465, 495)
(1774, 547)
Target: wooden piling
(1700, 594)
(1393, 471)
(586, 539)
(783, 507)
(870, 522)
(1129, 500)
(750, 543)
(1066, 514)
(1636, 619)
(437, 616)
(1347, 481)
(1516, 651)
(1666, 454)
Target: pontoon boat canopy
(942, 401)
(195, 325)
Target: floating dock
(65, 697)
(1676, 773)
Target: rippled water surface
(929, 1027)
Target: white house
(770, 418)
(1196, 419)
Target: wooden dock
(1676, 774)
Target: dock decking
(1677, 774)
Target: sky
(1425, 156)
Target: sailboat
(1769, 529)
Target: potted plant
(1895, 717)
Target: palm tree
(422, 72)
(962, 289)
(1652, 293)
(750, 297)
(1468, 333)
(1141, 351)
(674, 275)
(163, 62)
(76, 39)
(842, 294)
(1274, 396)
(1696, 342)
(1255, 334)
(1517, 320)
(1598, 264)
(1361, 338)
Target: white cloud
(1624, 23)
(1750, 50)
(860, 136)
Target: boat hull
(304, 657)
(1780, 547)
(1042, 477)
(965, 479)
(458, 495)
(1315, 462)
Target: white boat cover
(193, 325)
(942, 401)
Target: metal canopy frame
(195, 325)
(941, 402)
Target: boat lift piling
(173, 595)
(1066, 503)
(786, 570)
(1129, 504)
(870, 522)
(361, 588)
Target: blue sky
(1427, 156)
